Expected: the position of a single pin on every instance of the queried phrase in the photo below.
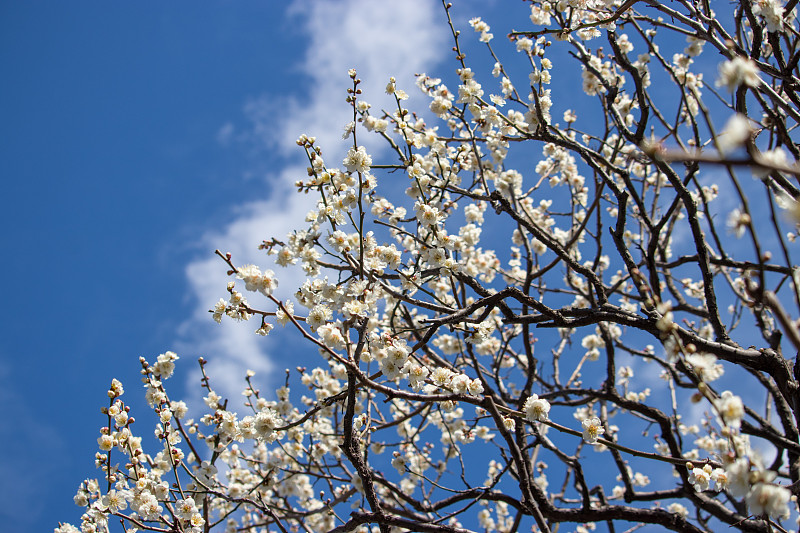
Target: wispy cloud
(379, 39)
(29, 440)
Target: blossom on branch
(502, 266)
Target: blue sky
(136, 138)
(112, 172)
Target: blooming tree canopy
(541, 310)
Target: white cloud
(379, 39)
(225, 134)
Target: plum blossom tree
(580, 313)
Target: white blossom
(736, 72)
(536, 409)
(592, 429)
